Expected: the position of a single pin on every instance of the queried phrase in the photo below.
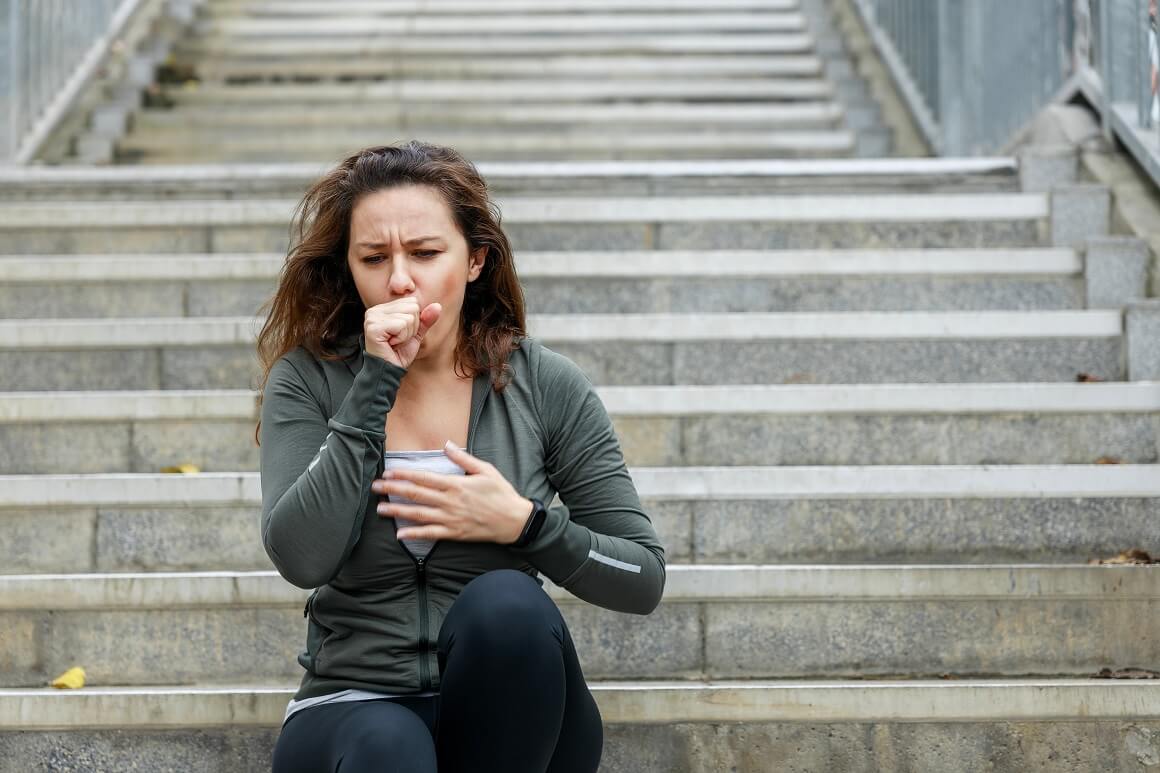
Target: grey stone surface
(22, 642)
(73, 370)
(59, 241)
(64, 448)
(1142, 325)
(673, 522)
(1115, 271)
(215, 750)
(1079, 212)
(846, 235)
(610, 645)
(919, 439)
(228, 298)
(968, 638)
(853, 362)
(800, 293)
(1042, 167)
(206, 367)
(54, 540)
(214, 446)
(179, 539)
(631, 363)
(785, 747)
(921, 531)
(580, 236)
(249, 238)
(922, 747)
(181, 646)
(91, 300)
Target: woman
(410, 435)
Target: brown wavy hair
(317, 304)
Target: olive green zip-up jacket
(373, 620)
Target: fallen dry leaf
(1130, 556)
(184, 469)
(1087, 378)
(1109, 460)
(73, 679)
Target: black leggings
(512, 698)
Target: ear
(475, 263)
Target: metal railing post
(12, 79)
(1106, 68)
(1143, 90)
(950, 108)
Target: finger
(427, 319)
(431, 533)
(392, 326)
(433, 480)
(420, 495)
(420, 513)
(405, 326)
(471, 465)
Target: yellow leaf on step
(73, 679)
(184, 469)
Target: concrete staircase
(847, 389)
(630, 79)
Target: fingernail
(450, 446)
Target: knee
(502, 609)
(397, 741)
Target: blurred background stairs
(884, 411)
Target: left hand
(480, 506)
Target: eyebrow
(416, 240)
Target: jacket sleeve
(317, 472)
(601, 546)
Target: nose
(400, 282)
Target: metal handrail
(975, 72)
(49, 51)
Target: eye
(426, 253)
(373, 259)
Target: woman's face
(404, 242)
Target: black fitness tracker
(534, 524)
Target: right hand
(394, 330)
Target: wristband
(533, 526)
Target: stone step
(495, 117)
(501, 45)
(618, 66)
(512, 90)
(715, 622)
(518, 143)
(897, 424)
(562, 222)
(571, 178)
(99, 286)
(616, 349)
(1004, 725)
(703, 515)
(365, 27)
(340, 8)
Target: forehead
(406, 208)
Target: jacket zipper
(421, 570)
(424, 669)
